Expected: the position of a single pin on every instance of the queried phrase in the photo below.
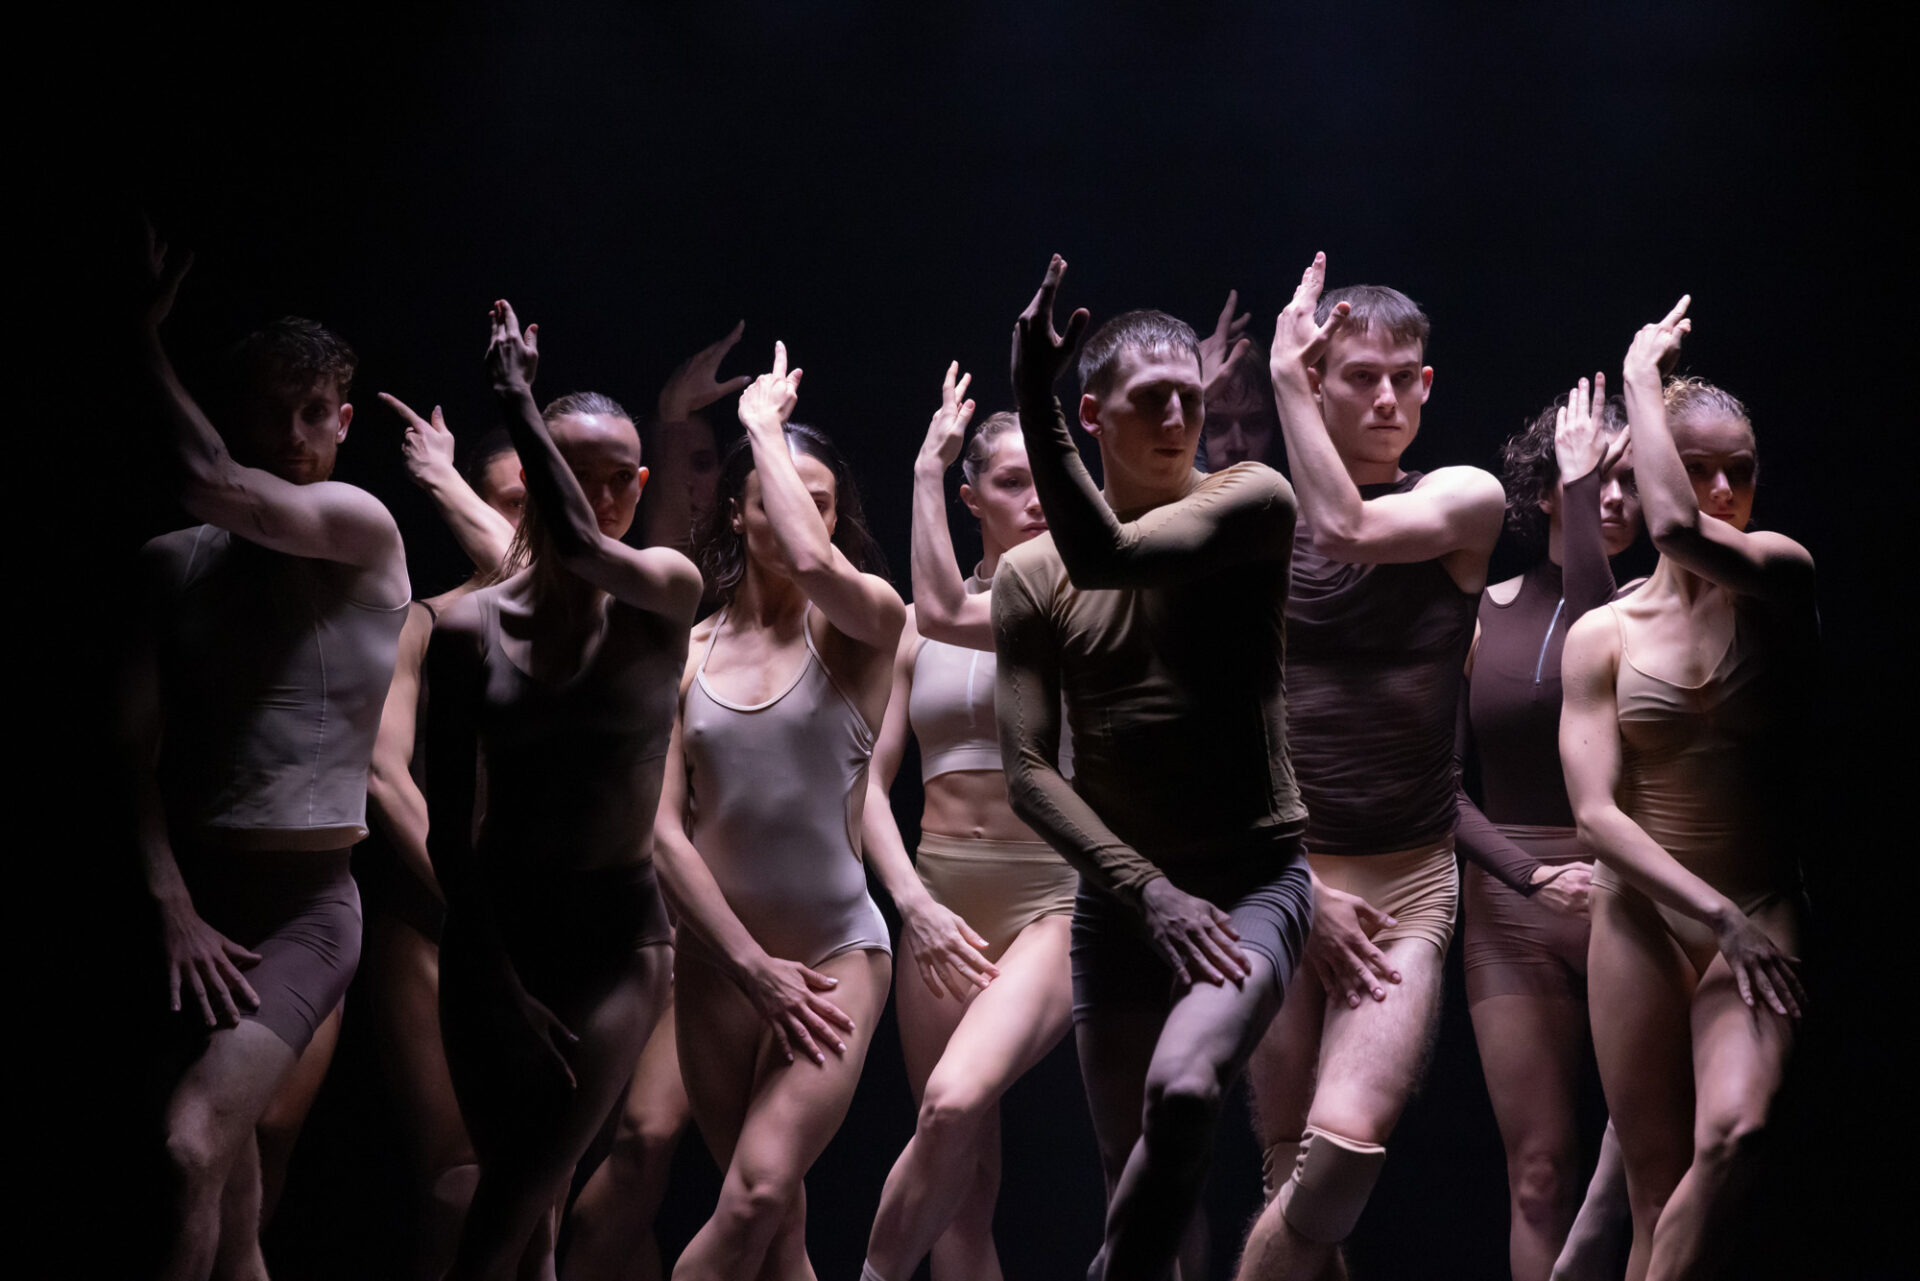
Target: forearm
(201, 468)
(398, 807)
(1480, 841)
(564, 510)
(1085, 530)
(483, 533)
(1047, 803)
(701, 906)
(791, 511)
(1667, 500)
(1328, 498)
(1586, 575)
(1621, 844)
(939, 592)
(886, 854)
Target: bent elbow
(1676, 531)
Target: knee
(1543, 1188)
(193, 1153)
(1728, 1138)
(643, 1143)
(753, 1204)
(952, 1112)
(1181, 1110)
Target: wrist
(511, 387)
(1725, 919)
(928, 466)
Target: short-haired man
(1155, 611)
(260, 668)
(1387, 572)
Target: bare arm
(862, 607)
(1246, 517)
(394, 798)
(789, 995)
(1763, 564)
(945, 947)
(1590, 751)
(656, 579)
(326, 520)
(1452, 509)
(943, 610)
(427, 449)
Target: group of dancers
(1191, 744)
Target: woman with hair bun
(759, 828)
(1682, 737)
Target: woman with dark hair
(1683, 739)
(1526, 876)
(986, 910)
(759, 829)
(554, 960)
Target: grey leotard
(774, 796)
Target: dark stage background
(880, 186)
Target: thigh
(927, 1021)
(1740, 1052)
(1212, 1029)
(1639, 998)
(1116, 1046)
(657, 1097)
(797, 1107)
(1372, 1056)
(1531, 1050)
(1019, 1016)
(225, 1091)
(403, 985)
(723, 1043)
(1284, 1067)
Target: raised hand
(948, 428)
(427, 446)
(1193, 936)
(1341, 948)
(1039, 351)
(1219, 349)
(162, 279)
(1565, 889)
(1656, 348)
(512, 356)
(788, 996)
(950, 954)
(1760, 969)
(1298, 342)
(768, 401)
(1617, 453)
(1579, 434)
(202, 960)
(693, 384)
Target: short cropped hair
(979, 450)
(292, 352)
(1370, 305)
(1529, 468)
(1688, 399)
(579, 404)
(1154, 332)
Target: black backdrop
(880, 187)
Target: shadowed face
(603, 452)
(1619, 506)
(1006, 502)
(1721, 463)
(1148, 420)
(750, 513)
(1371, 388)
(293, 430)
(503, 486)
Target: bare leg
(1208, 1036)
(239, 1258)
(765, 1120)
(1371, 1059)
(402, 971)
(613, 1219)
(1739, 1057)
(1006, 1029)
(210, 1121)
(1531, 1048)
(1640, 992)
(279, 1129)
(522, 1181)
(1602, 1232)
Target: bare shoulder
(1504, 593)
(1593, 639)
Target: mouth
(1035, 527)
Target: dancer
(986, 911)
(759, 829)
(1386, 573)
(554, 960)
(1242, 424)
(1525, 874)
(1156, 609)
(612, 1220)
(1686, 712)
(260, 664)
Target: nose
(1384, 400)
(1721, 487)
(1612, 496)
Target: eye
(1628, 485)
(1403, 378)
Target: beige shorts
(1419, 888)
(997, 887)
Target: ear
(1315, 377)
(733, 504)
(346, 417)
(1426, 382)
(640, 482)
(1090, 414)
(970, 499)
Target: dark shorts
(1115, 965)
(1514, 945)
(389, 888)
(299, 911)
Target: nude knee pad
(1331, 1183)
(1276, 1166)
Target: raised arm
(201, 962)
(394, 799)
(1590, 752)
(942, 608)
(657, 579)
(1195, 937)
(1452, 509)
(427, 449)
(863, 607)
(945, 947)
(325, 520)
(667, 515)
(1227, 343)
(1763, 564)
(1586, 460)
(789, 995)
(1246, 517)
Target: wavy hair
(1529, 469)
